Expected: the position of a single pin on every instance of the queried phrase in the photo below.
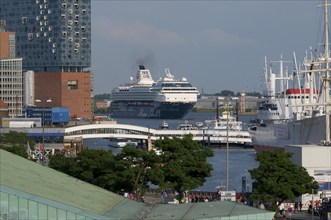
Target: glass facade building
(51, 36)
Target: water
(190, 118)
(240, 160)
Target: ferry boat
(167, 98)
(296, 110)
(224, 122)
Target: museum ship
(166, 98)
(297, 108)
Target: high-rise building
(11, 91)
(54, 40)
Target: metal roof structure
(31, 191)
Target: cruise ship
(167, 98)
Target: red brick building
(66, 89)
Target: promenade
(301, 216)
(155, 198)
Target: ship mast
(327, 115)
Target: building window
(12, 37)
(72, 84)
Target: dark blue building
(49, 116)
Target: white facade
(11, 86)
(21, 122)
(317, 161)
(29, 85)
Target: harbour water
(191, 118)
(240, 160)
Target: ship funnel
(141, 67)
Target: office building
(54, 40)
(11, 91)
(11, 85)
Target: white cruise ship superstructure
(167, 98)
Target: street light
(43, 124)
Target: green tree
(102, 97)
(16, 143)
(225, 93)
(136, 168)
(94, 166)
(64, 164)
(184, 164)
(181, 166)
(278, 179)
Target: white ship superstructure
(296, 110)
(167, 98)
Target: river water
(240, 160)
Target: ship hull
(150, 109)
(277, 136)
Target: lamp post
(43, 103)
(227, 139)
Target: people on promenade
(296, 207)
(300, 206)
(281, 209)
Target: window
(12, 37)
(72, 84)
(24, 20)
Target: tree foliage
(225, 93)
(94, 166)
(184, 162)
(181, 166)
(278, 179)
(16, 143)
(137, 167)
(102, 97)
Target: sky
(217, 44)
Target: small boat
(123, 143)
(226, 121)
(199, 124)
(164, 125)
(186, 126)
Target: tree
(185, 164)
(279, 179)
(225, 93)
(181, 166)
(16, 143)
(94, 166)
(137, 167)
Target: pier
(133, 132)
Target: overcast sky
(216, 45)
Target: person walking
(300, 206)
(281, 209)
(296, 207)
